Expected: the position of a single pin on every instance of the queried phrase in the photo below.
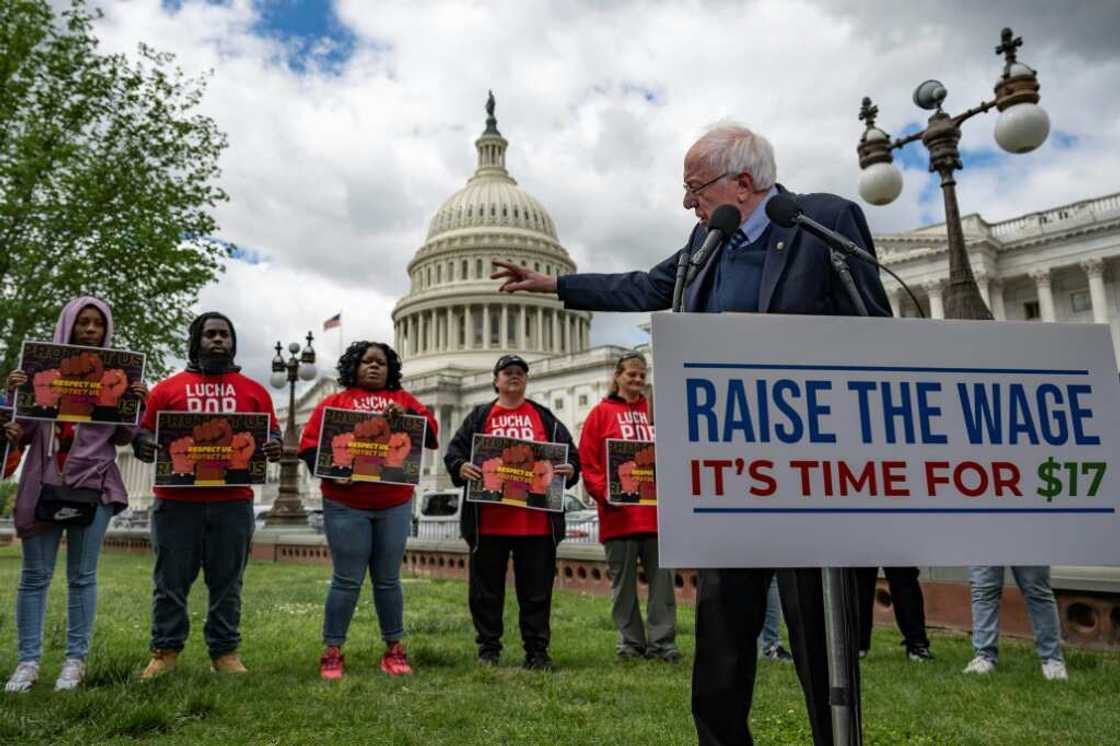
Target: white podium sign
(801, 441)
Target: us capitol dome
(453, 315)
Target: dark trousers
(730, 612)
(187, 537)
(906, 600)
(534, 570)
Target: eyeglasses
(695, 191)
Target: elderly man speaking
(762, 268)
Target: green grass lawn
(591, 699)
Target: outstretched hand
(518, 278)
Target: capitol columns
(555, 331)
(935, 290)
(522, 322)
(1041, 279)
(486, 326)
(1094, 268)
(894, 296)
(540, 328)
(468, 327)
(503, 335)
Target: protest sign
(789, 441)
(631, 472)
(210, 450)
(368, 447)
(518, 472)
(72, 383)
(5, 418)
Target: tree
(107, 174)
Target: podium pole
(839, 601)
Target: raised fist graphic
(518, 457)
(373, 430)
(181, 460)
(46, 395)
(400, 445)
(626, 477)
(646, 459)
(215, 432)
(86, 366)
(242, 448)
(341, 454)
(114, 383)
(491, 479)
(542, 477)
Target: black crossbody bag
(67, 506)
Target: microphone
(786, 212)
(724, 221)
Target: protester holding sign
(202, 527)
(366, 522)
(494, 532)
(629, 532)
(70, 482)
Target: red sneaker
(332, 664)
(394, 662)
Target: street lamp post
(287, 511)
(1022, 126)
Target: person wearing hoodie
(495, 532)
(65, 455)
(629, 532)
(366, 523)
(208, 528)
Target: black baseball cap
(507, 360)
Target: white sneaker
(980, 665)
(23, 678)
(71, 675)
(1054, 670)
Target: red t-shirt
(64, 433)
(613, 418)
(364, 495)
(195, 392)
(509, 520)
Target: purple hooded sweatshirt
(92, 460)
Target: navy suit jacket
(797, 274)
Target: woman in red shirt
(366, 523)
(629, 532)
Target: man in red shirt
(494, 532)
(208, 528)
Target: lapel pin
(781, 245)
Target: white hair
(731, 148)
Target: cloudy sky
(351, 121)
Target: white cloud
(334, 174)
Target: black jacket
(459, 452)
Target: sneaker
(162, 662)
(980, 665)
(633, 654)
(394, 662)
(488, 657)
(1054, 670)
(71, 675)
(228, 663)
(23, 678)
(332, 663)
(671, 655)
(537, 662)
(918, 653)
(778, 653)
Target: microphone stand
(838, 585)
(679, 284)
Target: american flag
(333, 322)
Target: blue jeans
(771, 629)
(1042, 609)
(361, 540)
(83, 547)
